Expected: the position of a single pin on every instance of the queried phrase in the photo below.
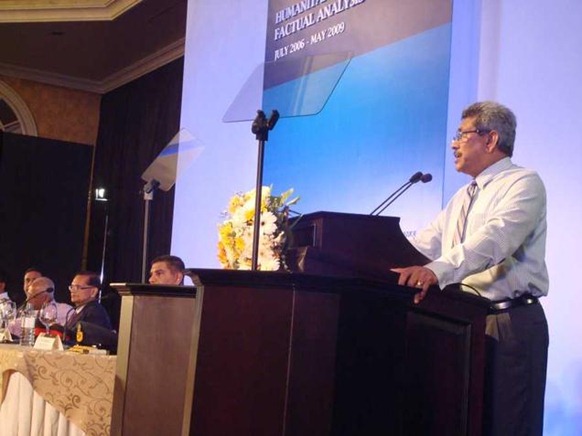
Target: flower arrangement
(235, 243)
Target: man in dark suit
(89, 315)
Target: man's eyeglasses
(461, 136)
(79, 287)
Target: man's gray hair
(490, 115)
(46, 282)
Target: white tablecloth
(53, 393)
(24, 412)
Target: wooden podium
(349, 245)
(258, 353)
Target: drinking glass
(7, 313)
(48, 314)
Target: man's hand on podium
(418, 277)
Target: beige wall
(60, 113)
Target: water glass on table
(7, 315)
(48, 315)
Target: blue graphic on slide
(385, 120)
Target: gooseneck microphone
(415, 178)
(424, 179)
(46, 291)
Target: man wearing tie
(84, 291)
(490, 240)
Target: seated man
(84, 291)
(89, 324)
(41, 290)
(29, 275)
(167, 270)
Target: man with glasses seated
(89, 316)
(84, 292)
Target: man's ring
(419, 284)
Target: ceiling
(100, 52)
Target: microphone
(413, 179)
(23, 305)
(46, 291)
(424, 179)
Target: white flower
(269, 264)
(236, 232)
(268, 223)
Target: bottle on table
(27, 326)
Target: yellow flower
(221, 253)
(236, 232)
(249, 214)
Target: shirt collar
(491, 171)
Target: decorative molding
(35, 11)
(126, 75)
(21, 110)
(143, 66)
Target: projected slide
(386, 116)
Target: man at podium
(490, 239)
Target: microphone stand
(402, 191)
(32, 297)
(380, 208)
(425, 178)
(260, 127)
(413, 179)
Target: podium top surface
(160, 290)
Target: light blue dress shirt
(503, 253)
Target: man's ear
(492, 140)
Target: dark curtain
(44, 185)
(137, 120)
